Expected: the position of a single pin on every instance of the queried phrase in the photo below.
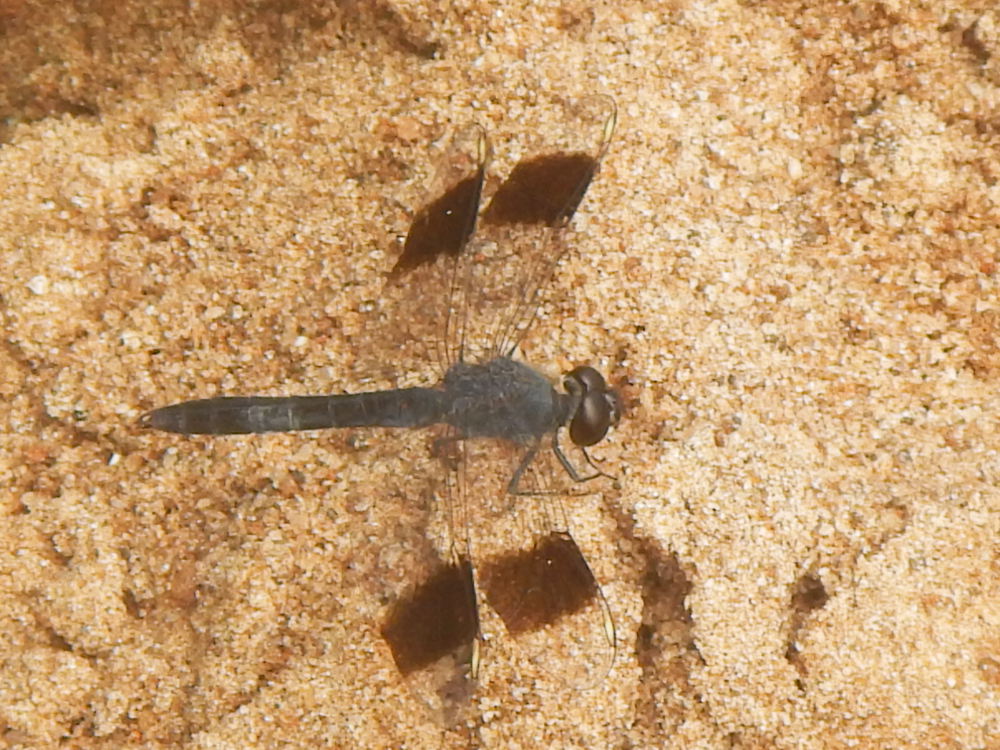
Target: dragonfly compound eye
(600, 406)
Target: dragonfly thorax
(503, 399)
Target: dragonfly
(474, 280)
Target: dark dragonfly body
(499, 399)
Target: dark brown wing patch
(544, 190)
(437, 618)
(443, 227)
(552, 606)
(531, 589)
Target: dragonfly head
(598, 406)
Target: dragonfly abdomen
(227, 415)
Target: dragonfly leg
(575, 475)
(515, 480)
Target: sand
(788, 263)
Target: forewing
(552, 605)
(467, 292)
(534, 576)
(523, 233)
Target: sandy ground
(789, 263)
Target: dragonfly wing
(532, 572)
(524, 232)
